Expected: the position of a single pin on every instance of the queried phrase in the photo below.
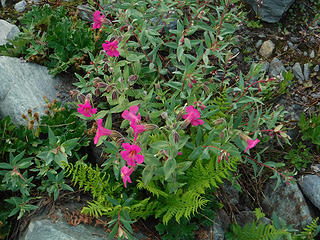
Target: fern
(152, 188)
(255, 231)
(309, 232)
(181, 204)
(205, 176)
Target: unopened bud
(88, 97)
(158, 85)
(47, 112)
(45, 99)
(49, 105)
(114, 95)
(24, 116)
(62, 109)
(132, 78)
(147, 117)
(179, 116)
(164, 115)
(120, 79)
(54, 101)
(102, 85)
(176, 137)
(206, 89)
(149, 127)
(96, 80)
(29, 112)
(218, 121)
(36, 116)
(97, 92)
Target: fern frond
(205, 176)
(310, 231)
(181, 204)
(152, 188)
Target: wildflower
(179, 153)
(130, 154)
(137, 129)
(125, 174)
(131, 114)
(101, 131)
(251, 144)
(86, 109)
(192, 116)
(111, 48)
(97, 19)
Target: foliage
(310, 128)
(52, 38)
(299, 156)
(271, 231)
(32, 156)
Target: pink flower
(131, 114)
(86, 109)
(111, 48)
(97, 19)
(251, 144)
(125, 174)
(192, 116)
(101, 131)
(179, 153)
(137, 129)
(131, 154)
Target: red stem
(249, 87)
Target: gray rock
(310, 186)
(305, 53)
(295, 39)
(270, 10)
(220, 225)
(46, 229)
(20, 6)
(266, 49)
(7, 31)
(259, 43)
(265, 66)
(306, 71)
(291, 45)
(276, 67)
(316, 68)
(22, 87)
(312, 54)
(288, 202)
(231, 192)
(297, 72)
(85, 12)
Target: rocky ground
(292, 44)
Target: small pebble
(312, 54)
(290, 44)
(306, 71)
(259, 43)
(305, 53)
(316, 68)
(297, 72)
(20, 6)
(267, 48)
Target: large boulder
(310, 186)
(270, 10)
(22, 87)
(288, 203)
(7, 31)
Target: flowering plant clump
(97, 20)
(86, 109)
(175, 142)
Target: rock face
(7, 31)
(22, 87)
(220, 225)
(270, 10)
(288, 202)
(310, 186)
(45, 229)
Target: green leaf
(6, 166)
(169, 167)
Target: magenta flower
(251, 143)
(97, 19)
(125, 174)
(86, 109)
(101, 131)
(131, 114)
(137, 129)
(192, 116)
(111, 48)
(131, 154)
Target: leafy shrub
(52, 38)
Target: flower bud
(102, 85)
(179, 116)
(120, 79)
(24, 117)
(158, 85)
(150, 127)
(36, 116)
(97, 92)
(45, 99)
(114, 95)
(164, 115)
(132, 78)
(54, 101)
(29, 112)
(218, 121)
(147, 117)
(176, 137)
